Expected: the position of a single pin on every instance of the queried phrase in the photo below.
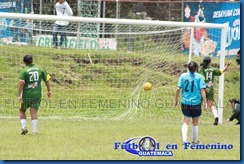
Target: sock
(215, 114)
(184, 132)
(195, 134)
(34, 126)
(23, 123)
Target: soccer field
(80, 140)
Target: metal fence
(166, 10)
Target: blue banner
(15, 30)
(207, 41)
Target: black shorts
(193, 111)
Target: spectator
(62, 9)
(235, 105)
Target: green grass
(73, 131)
(81, 140)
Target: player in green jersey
(30, 91)
(209, 73)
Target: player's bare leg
(33, 113)
(23, 121)
(212, 106)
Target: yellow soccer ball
(147, 86)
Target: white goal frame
(222, 27)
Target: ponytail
(192, 66)
(206, 62)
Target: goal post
(110, 71)
(221, 78)
(222, 54)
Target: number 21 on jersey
(189, 86)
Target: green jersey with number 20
(33, 75)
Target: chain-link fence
(165, 10)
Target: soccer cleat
(198, 142)
(216, 121)
(185, 143)
(34, 133)
(24, 132)
(59, 47)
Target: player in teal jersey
(193, 91)
(209, 73)
(30, 91)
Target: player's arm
(205, 104)
(179, 86)
(21, 85)
(226, 67)
(20, 91)
(46, 78)
(177, 95)
(48, 88)
(203, 92)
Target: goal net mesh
(99, 74)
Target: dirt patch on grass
(172, 68)
(109, 61)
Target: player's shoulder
(38, 67)
(198, 75)
(24, 69)
(201, 69)
(190, 75)
(184, 74)
(216, 69)
(210, 68)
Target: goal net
(99, 74)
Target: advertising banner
(15, 30)
(83, 43)
(207, 41)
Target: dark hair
(192, 66)
(206, 62)
(28, 59)
(234, 101)
(239, 51)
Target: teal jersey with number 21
(33, 75)
(191, 84)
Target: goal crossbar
(109, 20)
